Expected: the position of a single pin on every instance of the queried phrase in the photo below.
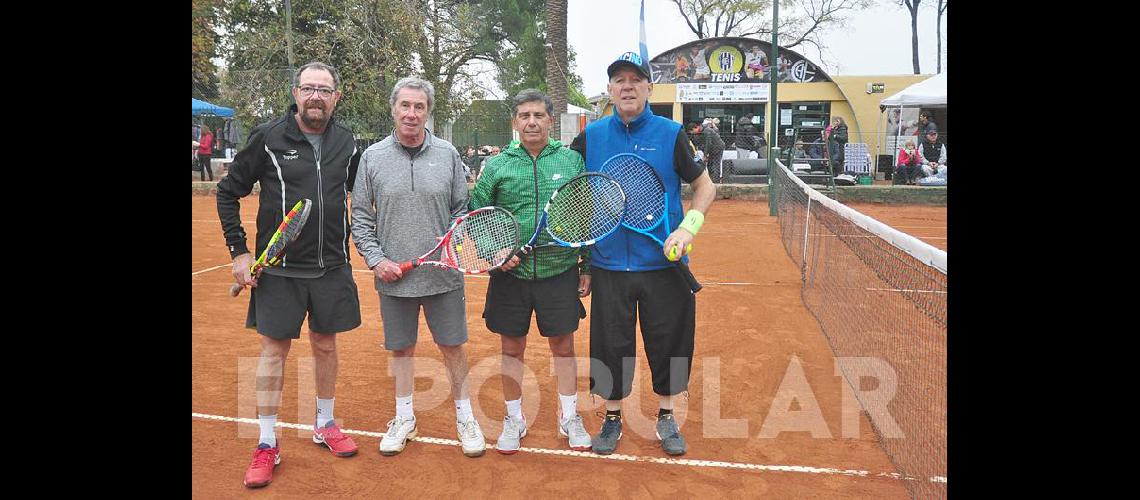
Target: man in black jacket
(714, 149)
(304, 154)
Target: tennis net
(879, 296)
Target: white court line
(901, 290)
(615, 456)
(195, 273)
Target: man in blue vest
(631, 272)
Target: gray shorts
(446, 315)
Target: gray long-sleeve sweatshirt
(401, 203)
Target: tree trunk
(912, 6)
(914, 36)
(556, 61)
(941, 9)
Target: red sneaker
(260, 470)
(330, 435)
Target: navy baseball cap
(630, 59)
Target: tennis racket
(274, 252)
(646, 202)
(582, 211)
(477, 242)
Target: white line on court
(903, 290)
(616, 456)
(195, 273)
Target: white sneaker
(573, 428)
(513, 432)
(400, 430)
(471, 437)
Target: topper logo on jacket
(291, 155)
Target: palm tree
(556, 60)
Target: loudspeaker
(886, 165)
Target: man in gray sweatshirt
(409, 188)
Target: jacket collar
(516, 148)
(638, 121)
(423, 147)
(292, 130)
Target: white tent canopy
(929, 92)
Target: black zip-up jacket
(283, 161)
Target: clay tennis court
(754, 339)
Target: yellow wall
(866, 105)
(847, 94)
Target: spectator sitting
(909, 164)
(933, 154)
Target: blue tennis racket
(646, 202)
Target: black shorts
(554, 301)
(278, 305)
(662, 303)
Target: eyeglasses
(324, 92)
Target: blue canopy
(203, 108)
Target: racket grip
(694, 285)
(235, 289)
(406, 266)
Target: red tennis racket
(477, 242)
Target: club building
(727, 77)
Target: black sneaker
(606, 440)
(670, 435)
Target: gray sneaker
(513, 432)
(606, 440)
(400, 430)
(670, 435)
(471, 437)
(573, 429)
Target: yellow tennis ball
(673, 252)
(458, 248)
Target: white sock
(514, 409)
(463, 410)
(569, 406)
(268, 435)
(324, 411)
(404, 407)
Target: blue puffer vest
(652, 138)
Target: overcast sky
(875, 41)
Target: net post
(807, 224)
(773, 184)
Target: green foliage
(204, 43)
(522, 58)
(373, 43)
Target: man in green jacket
(549, 281)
